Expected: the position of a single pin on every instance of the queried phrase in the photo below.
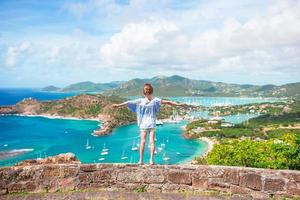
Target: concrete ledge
(257, 183)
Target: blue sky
(61, 42)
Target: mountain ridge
(176, 85)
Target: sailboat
(104, 148)
(101, 159)
(163, 143)
(165, 158)
(87, 146)
(123, 157)
(133, 148)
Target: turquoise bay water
(47, 137)
(40, 137)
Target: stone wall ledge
(257, 183)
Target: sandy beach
(210, 144)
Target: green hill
(86, 86)
(181, 86)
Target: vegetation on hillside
(267, 141)
(280, 153)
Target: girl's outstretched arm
(172, 103)
(119, 105)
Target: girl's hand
(115, 105)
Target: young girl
(146, 109)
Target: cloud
(257, 43)
(134, 42)
(199, 39)
(16, 53)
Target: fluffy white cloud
(258, 43)
(131, 46)
(14, 53)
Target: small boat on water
(101, 159)
(104, 153)
(159, 122)
(165, 158)
(159, 148)
(134, 148)
(104, 148)
(178, 153)
(87, 146)
(123, 157)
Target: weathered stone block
(68, 171)
(28, 186)
(154, 188)
(67, 183)
(251, 180)
(88, 167)
(102, 175)
(154, 176)
(293, 188)
(180, 177)
(232, 177)
(259, 195)
(218, 184)
(50, 171)
(239, 190)
(86, 177)
(169, 187)
(200, 183)
(274, 185)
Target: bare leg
(142, 145)
(152, 143)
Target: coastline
(209, 147)
(56, 117)
(101, 124)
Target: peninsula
(84, 106)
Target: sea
(24, 137)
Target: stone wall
(258, 183)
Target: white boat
(123, 157)
(163, 143)
(159, 148)
(165, 158)
(155, 152)
(87, 146)
(178, 153)
(159, 122)
(104, 153)
(134, 148)
(5, 145)
(101, 159)
(104, 148)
